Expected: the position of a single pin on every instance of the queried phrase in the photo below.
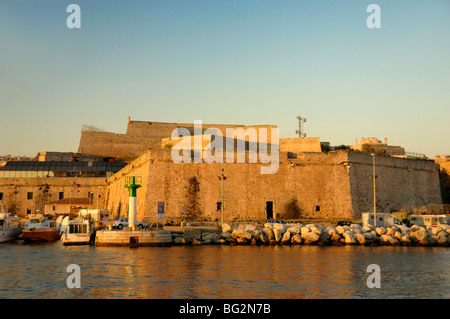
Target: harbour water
(36, 271)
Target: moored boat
(77, 232)
(40, 230)
(9, 227)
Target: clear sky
(244, 61)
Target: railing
(415, 155)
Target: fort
(306, 185)
(309, 183)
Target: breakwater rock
(310, 234)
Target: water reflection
(39, 271)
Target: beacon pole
(130, 183)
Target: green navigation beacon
(132, 183)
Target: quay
(133, 238)
(279, 234)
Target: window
(61, 195)
(28, 211)
(1, 196)
(317, 208)
(219, 206)
(30, 195)
(54, 207)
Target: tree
(292, 210)
(192, 195)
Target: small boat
(40, 229)
(77, 232)
(9, 227)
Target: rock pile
(310, 234)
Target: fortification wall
(299, 184)
(117, 195)
(112, 144)
(324, 185)
(15, 192)
(164, 130)
(142, 136)
(299, 145)
(400, 183)
(153, 129)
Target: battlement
(143, 135)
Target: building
(26, 186)
(67, 205)
(374, 145)
(68, 157)
(444, 163)
(60, 169)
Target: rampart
(142, 136)
(298, 145)
(322, 185)
(400, 183)
(115, 145)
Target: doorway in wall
(269, 210)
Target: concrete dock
(133, 238)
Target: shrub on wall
(192, 195)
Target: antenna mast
(301, 120)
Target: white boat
(40, 229)
(9, 227)
(77, 232)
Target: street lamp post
(222, 178)
(374, 193)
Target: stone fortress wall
(400, 183)
(312, 185)
(308, 183)
(140, 136)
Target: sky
(250, 62)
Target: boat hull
(40, 235)
(9, 235)
(76, 239)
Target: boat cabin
(77, 228)
(40, 223)
(7, 222)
